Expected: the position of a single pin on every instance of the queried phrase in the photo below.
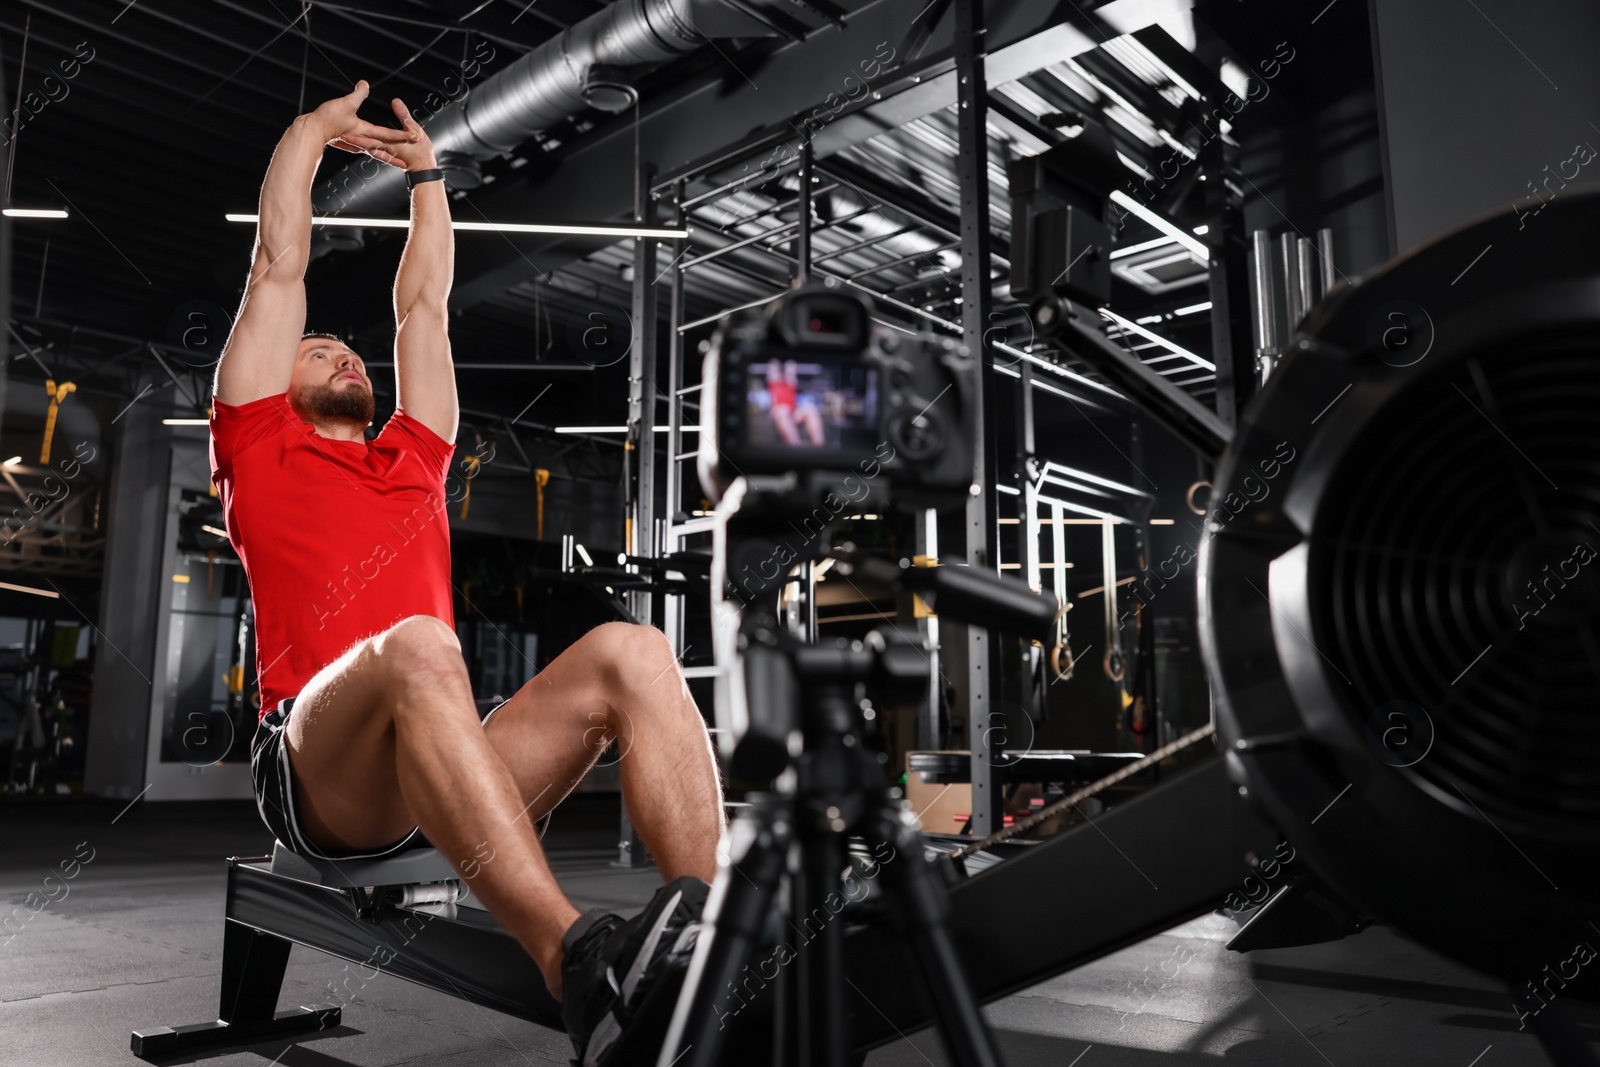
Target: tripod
(799, 715)
(835, 789)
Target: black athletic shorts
(274, 787)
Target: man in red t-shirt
(370, 735)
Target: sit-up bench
(405, 915)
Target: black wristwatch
(415, 178)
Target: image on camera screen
(811, 403)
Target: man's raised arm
(258, 359)
(425, 377)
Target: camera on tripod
(808, 401)
(811, 383)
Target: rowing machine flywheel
(1400, 590)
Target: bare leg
(387, 737)
(620, 680)
(811, 418)
(783, 419)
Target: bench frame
(351, 910)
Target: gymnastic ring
(1063, 674)
(1062, 644)
(1188, 498)
(1115, 666)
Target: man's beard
(324, 402)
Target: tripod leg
(820, 962)
(736, 913)
(923, 910)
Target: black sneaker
(620, 979)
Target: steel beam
(641, 533)
(1192, 422)
(6, 276)
(984, 694)
(802, 237)
(1229, 276)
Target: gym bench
(1180, 848)
(400, 915)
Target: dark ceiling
(152, 119)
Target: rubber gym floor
(137, 942)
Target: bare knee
(419, 650)
(632, 657)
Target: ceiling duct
(550, 84)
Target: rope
(57, 395)
(1086, 792)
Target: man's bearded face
(330, 384)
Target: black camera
(810, 383)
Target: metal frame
(984, 678)
(456, 950)
(641, 447)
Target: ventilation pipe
(582, 67)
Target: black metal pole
(1229, 277)
(820, 1027)
(737, 911)
(923, 914)
(642, 444)
(802, 240)
(972, 173)
(6, 275)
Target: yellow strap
(57, 394)
(472, 463)
(541, 478)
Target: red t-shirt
(340, 539)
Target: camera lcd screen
(812, 403)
